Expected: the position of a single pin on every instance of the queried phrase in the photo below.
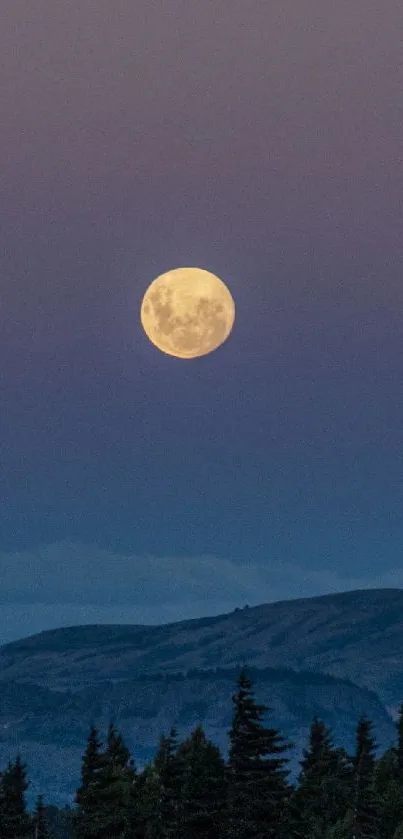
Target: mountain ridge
(337, 655)
(330, 633)
(337, 596)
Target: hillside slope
(355, 635)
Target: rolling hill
(337, 656)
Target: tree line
(188, 790)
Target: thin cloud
(68, 583)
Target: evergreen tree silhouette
(40, 825)
(89, 815)
(118, 788)
(388, 780)
(343, 829)
(168, 768)
(398, 834)
(15, 820)
(366, 805)
(60, 821)
(258, 791)
(203, 791)
(393, 806)
(324, 784)
(149, 823)
(399, 746)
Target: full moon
(187, 312)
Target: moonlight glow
(187, 312)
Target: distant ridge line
(240, 610)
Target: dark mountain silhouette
(336, 656)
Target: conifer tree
(392, 805)
(149, 823)
(343, 829)
(15, 820)
(258, 791)
(398, 834)
(388, 780)
(324, 783)
(89, 796)
(60, 822)
(203, 791)
(119, 788)
(1, 800)
(168, 769)
(399, 747)
(107, 798)
(40, 824)
(366, 806)
(388, 792)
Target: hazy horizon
(129, 590)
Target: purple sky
(261, 141)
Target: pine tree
(119, 788)
(149, 804)
(343, 829)
(1, 802)
(388, 781)
(15, 820)
(388, 792)
(366, 806)
(324, 784)
(60, 822)
(258, 791)
(399, 747)
(393, 806)
(40, 824)
(203, 791)
(107, 796)
(89, 796)
(398, 834)
(168, 769)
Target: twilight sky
(263, 142)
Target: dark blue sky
(261, 142)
